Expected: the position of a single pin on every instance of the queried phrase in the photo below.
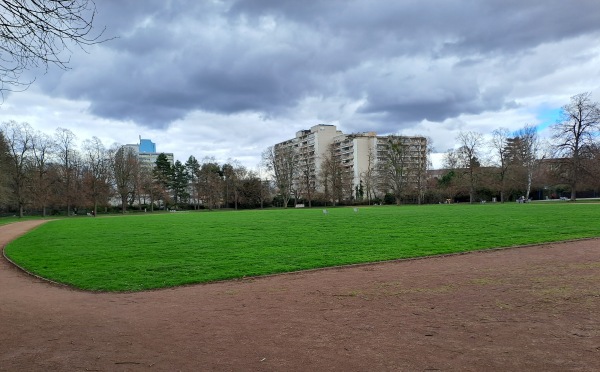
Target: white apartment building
(312, 146)
(356, 152)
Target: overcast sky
(230, 78)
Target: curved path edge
(13, 230)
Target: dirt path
(534, 308)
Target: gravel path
(532, 308)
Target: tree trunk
(528, 186)
(123, 203)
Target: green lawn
(153, 251)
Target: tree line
(511, 165)
(52, 174)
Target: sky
(226, 79)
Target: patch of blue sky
(547, 116)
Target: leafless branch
(36, 33)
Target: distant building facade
(359, 154)
(146, 152)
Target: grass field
(152, 251)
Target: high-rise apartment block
(358, 153)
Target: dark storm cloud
(474, 26)
(408, 61)
(165, 64)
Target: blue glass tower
(147, 145)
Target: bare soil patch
(532, 308)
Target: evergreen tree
(163, 177)
(179, 184)
(193, 169)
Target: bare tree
(147, 187)
(67, 155)
(250, 190)
(37, 33)
(4, 170)
(469, 156)
(125, 169)
(332, 176)
(265, 185)
(528, 143)
(42, 150)
(419, 167)
(347, 179)
(281, 160)
(82, 195)
(369, 176)
(97, 175)
(336, 176)
(240, 175)
(394, 167)
(234, 175)
(499, 145)
(576, 130)
(305, 175)
(229, 183)
(210, 183)
(18, 137)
